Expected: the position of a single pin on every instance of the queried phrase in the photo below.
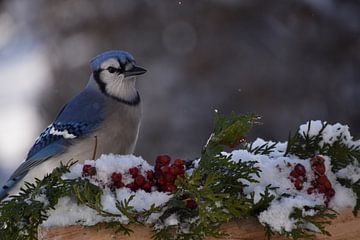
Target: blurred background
(288, 61)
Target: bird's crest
(122, 56)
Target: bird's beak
(136, 70)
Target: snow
(277, 215)
(67, 212)
(275, 169)
(330, 133)
(107, 164)
(344, 198)
(350, 172)
(172, 220)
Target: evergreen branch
(268, 232)
(304, 145)
(319, 220)
(163, 233)
(216, 186)
(31, 212)
(264, 202)
(264, 149)
(340, 151)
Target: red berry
(170, 187)
(147, 186)
(139, 180)
(294, 174)
(157, 169)
(150, 174)
(134, 171)
(298, 184)
(86, 168)
(119, 184)
(116, 177)
(317, 165)
(319, 169)
(162, 181)
(132, 186)
(179, 162)
(174, 170)
(330, 193)
(321, 188)
(180, 171)
(169, 178)
(310, 190)
(317, 160)
(190, 203)
(89, 170)
(163, 159)
(165, 169)
(324, 181)
(300, 169)
(181, 175)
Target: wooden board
(344, 227)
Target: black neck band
(102, 86)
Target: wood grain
(344, 227)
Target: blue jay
(103, 118)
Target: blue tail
(3, 192)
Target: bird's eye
(111, 69)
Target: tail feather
(4, 192)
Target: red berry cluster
(140, 182)
(117, 180)
(297, 176)
(88, 170)
(163, 178)
(321, 184)
(166, 173)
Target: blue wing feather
(46, 138)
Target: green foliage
(264, 149)
(264, 202)
(305, 145)
(216, 185)
(306, 225)
(268, 232)
(32, 209)
(229, 130)
(340, 152)
(319, 220)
